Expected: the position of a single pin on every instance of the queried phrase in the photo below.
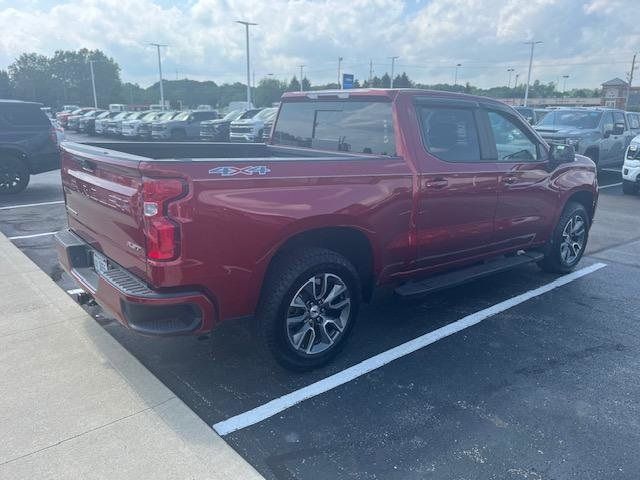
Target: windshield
(103, 115)
(248, 114)
(582, 119)
(149, 116)
(266, 113)
(182, 116)
(121, 116)
(229, 117)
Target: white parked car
(130, 127)
(631, 167)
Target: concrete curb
(75, 404)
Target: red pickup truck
(415, 189)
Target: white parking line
(277, 405)
(612, 170)
(612, 185)
(10, 207)
(20, 237)
(75, 291)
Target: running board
(469, 274)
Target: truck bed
(202, 150)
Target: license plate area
(100, 263)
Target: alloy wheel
(573, 240)
(318, 314)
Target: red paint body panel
(419, 214)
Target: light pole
(533, 43)
(158, 45)
(93, 84)
(564, 84)
(301, 70)
(510, 70)
(339, 78)
(246, 27)
(455, 77)
(393, 64)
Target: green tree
(306, 84)
(402, 81)
(385, 81)
(269, 90)
(31, 77)
(6, 87)
(294, 85)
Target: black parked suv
(28, 144)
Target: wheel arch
(587, 199)
(347, 240)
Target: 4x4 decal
(228, 171)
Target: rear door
(525, 203)
(103, 198)
(458, 189)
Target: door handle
(509, 180)
(437, 183)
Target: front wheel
(14, 175)
(629, 188)
(308, 307)
(569, 240)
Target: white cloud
(590, 40)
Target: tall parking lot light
(246, 26)
(93, 84)
(393, 64)
(158, 45)
(533, 43)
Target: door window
(607, 122)
(618, 117)
(450, 133)
(512, 143)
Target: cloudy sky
(590, 40)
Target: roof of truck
(390, 93)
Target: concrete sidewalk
(75, 404)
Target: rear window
(23, 115)
(344, 126)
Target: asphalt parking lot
(546, 389)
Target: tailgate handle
(87, 165)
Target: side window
(607, 122)
(512, 143)
(450, 134)
(618, 117)
(634, 120)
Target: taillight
(161, 233)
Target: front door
(458, 189)
(525, 202)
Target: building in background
(616, 93)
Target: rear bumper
(131, 301)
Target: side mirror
(618, 129)
(559, 154)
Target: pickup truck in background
(251, 129)
(413, 189)
(598, 133)
(183, 126)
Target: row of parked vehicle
(252, 125)
(602, 134)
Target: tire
(178, 135)
(289, 308)
(569, 241)
(14, 175)
(629, 188)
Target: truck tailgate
(103, 197)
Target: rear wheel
(569, 240)
(14, 175)
(308, 307)
(629, 188)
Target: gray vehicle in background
(598, 133)
(144, 127)
(183, 126)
